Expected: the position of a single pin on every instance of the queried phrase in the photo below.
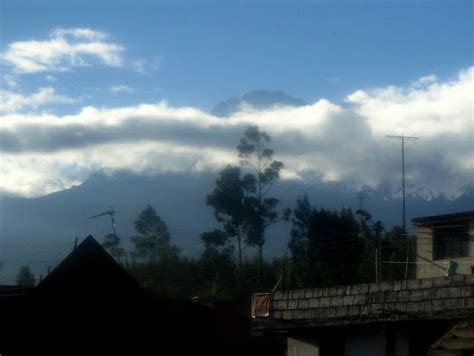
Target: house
(89, 305)
(443, 240)
(431, 316)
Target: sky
(88, 86)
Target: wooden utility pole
(378, 251)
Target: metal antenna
(111, 212)
(403, 138)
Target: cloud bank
(42, 153)
(11, 101)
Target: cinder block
(386, 286)
(292, 304)
(469, 279)
(426, 283)
(397, 285)
(314, 303)
(441, 282)
(469, 303)
(454, 292)
(375, 287)
(456, 281)
(467, 291)
(413, 284)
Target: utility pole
(361, 197)
(378, 227)
(403, 138)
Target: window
(451, 240)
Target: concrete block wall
(388, 301)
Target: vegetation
(25, 278)
(325, 247)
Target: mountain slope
(39, 231)
(258, 99)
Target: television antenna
(110, 211)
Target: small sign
(260, 305)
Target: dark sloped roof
(427, 220)
(89, 271)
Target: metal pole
(403, 181)
(402, 138)
(408, 257)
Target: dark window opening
(451, 240)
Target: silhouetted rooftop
(427, 220)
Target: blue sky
(113, 85)
(208, 51)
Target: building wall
(366, 343)
(302, 347)
(375, 341)
(427, 267)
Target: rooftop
(443, 298)
(429, 220)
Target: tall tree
(216, 262)
(25, 277)
(228, 201)
(152, 243)
(264, 171)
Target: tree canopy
(152, 243)
(25, 277)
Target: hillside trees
(152, 243)
(112, 244)
(325, 246)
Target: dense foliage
(325, 247)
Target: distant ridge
(258, 99)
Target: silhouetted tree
(152, 243)
(228, 201)
(112, 244)
(217, 263)
(25, 277)
(325, 246)
(264, 171)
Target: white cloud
(42, 152)
(144, 66)
(423, 81)
(63, 50)
(14, 102)
(122, 89)
(50, 78)
(438, 109)
(10, 80)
